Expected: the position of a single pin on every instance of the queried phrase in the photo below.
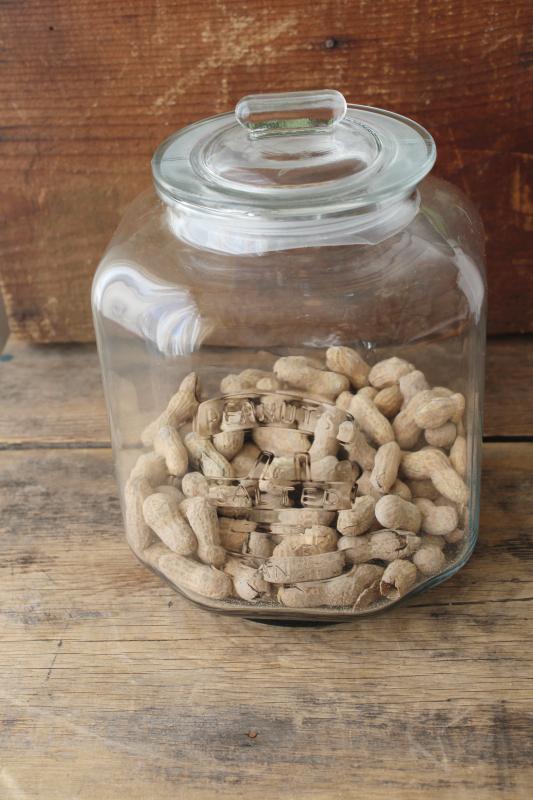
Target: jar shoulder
(422, 282)
(454, 217)
(446, 220)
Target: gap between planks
(87, 445)
(81, 445)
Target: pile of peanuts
(217, 504)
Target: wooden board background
(89, 88)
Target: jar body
(276, 528)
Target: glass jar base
(310, 617)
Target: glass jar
(291, 331)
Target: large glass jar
(291, 332)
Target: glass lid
(292, 154)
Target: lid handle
(290, 112)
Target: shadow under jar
(291, 331)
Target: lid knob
(290, 112)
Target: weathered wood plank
(112, 685)
(88, 89)
(53, 395)
(508, 386)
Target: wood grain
(88, 89)
(508, 383)
(52, 396)
(113, 686)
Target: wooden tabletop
(112, 686)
